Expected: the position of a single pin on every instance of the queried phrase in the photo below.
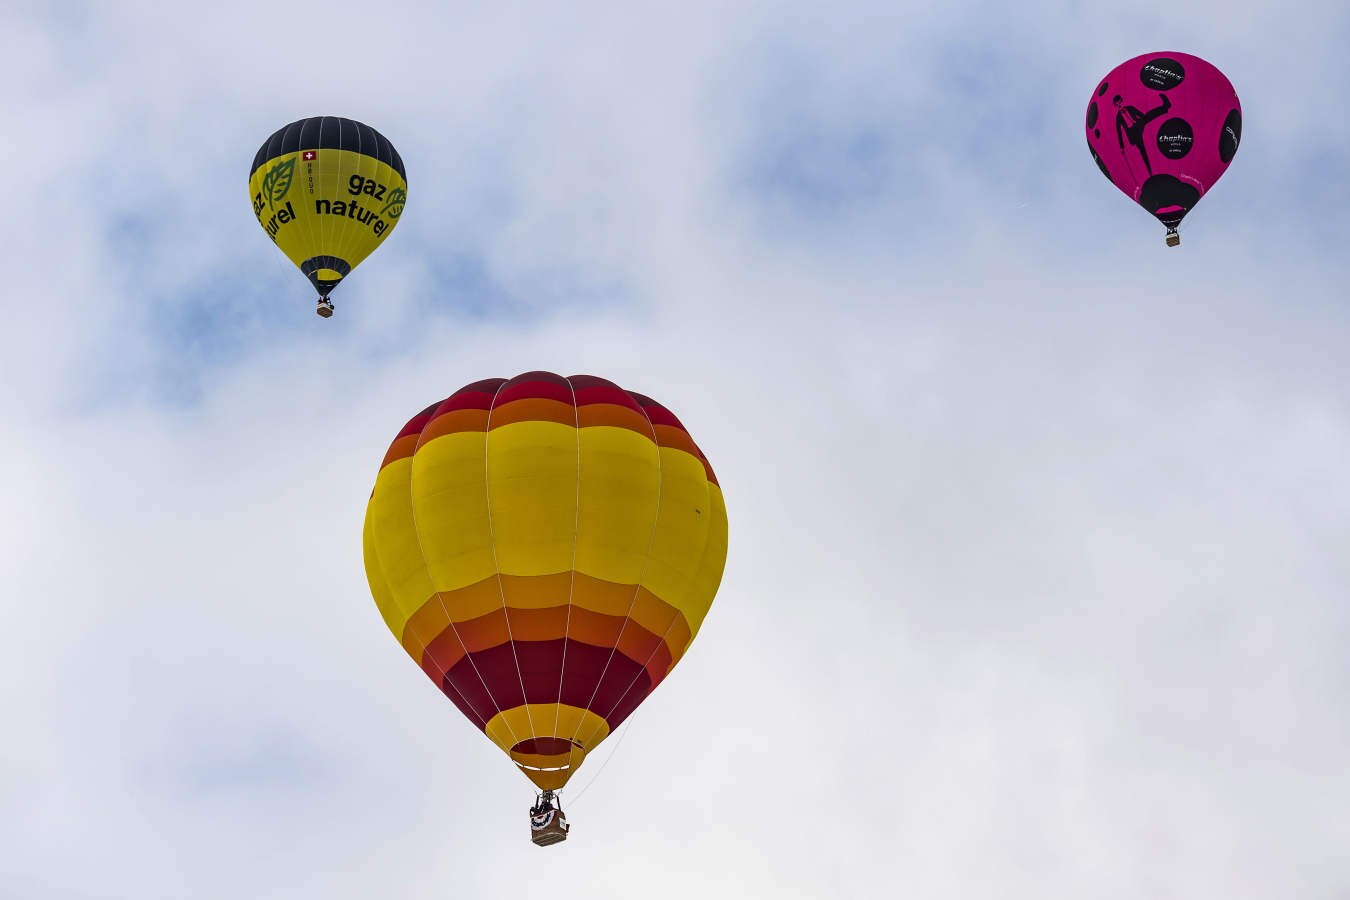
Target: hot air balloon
(546, 549)
(327, 191)
(1163, 127)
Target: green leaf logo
(394, 208)
(277, 182)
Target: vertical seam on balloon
(365, 167)
(350, 224)
(421, 653)
(572, 574)
(637, 587)
(311, 222)
(321, 241)
(619, 702)
(1191, 115)
(492, 540)
(441, 600)
(364, 164)
(325, 224)
(421, 552)
(675, 617)
(1182, 110)
(345, 226)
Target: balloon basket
(325, 308)
(1173, 239)
(548, 825)
(547, 837)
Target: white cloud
(1036, 577)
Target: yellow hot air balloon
(327, 191)
(545, 549)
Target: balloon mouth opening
(548, 761)
(324, 272)
(1171, 216)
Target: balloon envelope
(327, 191)
(1163, 127)
(546, 549)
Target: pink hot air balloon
(1163, 127)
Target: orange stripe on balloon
(538, 624)
(610, 606)
(497, 627)
(679, 439)
(676, 438)
(536, 591)
(595, 628)
(650, 608)
(401, 448)
(454, 422)
(442, 654)
(485, 632)
(424, 626)
(638, 644)
(533, 409)
(659, 665)
(478, 395)
(595, 390)
(614, 416)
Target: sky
(1036, 583)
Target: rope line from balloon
(421, 552)
(627, 727)
(675, 617)
(444, 680)
(572, 573)
(637, 587)
(496, 565)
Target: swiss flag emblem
(310, 154)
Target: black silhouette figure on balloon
(1130, 123)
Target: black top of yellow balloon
(329, 133)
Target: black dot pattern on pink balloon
(1230, 136)
(1175, 138)
(1101, 91)
(1092, 114)
(1168, 198)
(1097, 133)
(1162, 73)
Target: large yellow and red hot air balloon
(545, 548)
